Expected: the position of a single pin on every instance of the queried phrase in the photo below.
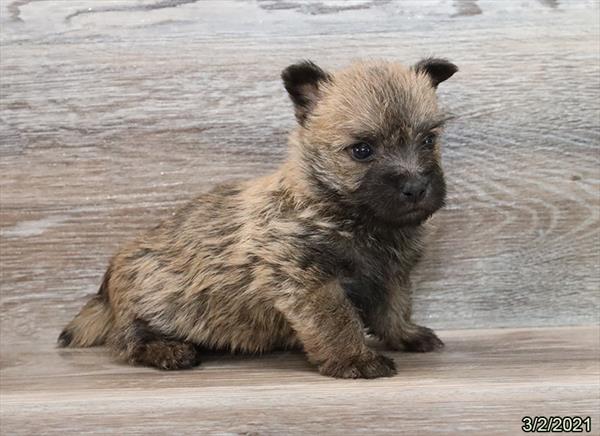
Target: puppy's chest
(384, 256)
(369, 269)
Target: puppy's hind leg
(138, 344)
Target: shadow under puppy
(308, 256)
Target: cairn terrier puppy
(309, 256)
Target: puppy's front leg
(392, 323)
(332, 333)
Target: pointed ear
(302, 82)
(438, 70)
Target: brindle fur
(308, 256)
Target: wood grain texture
(483, 383)
(113, 113)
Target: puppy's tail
(92, 324)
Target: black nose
(414, 189)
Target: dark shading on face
(369, 136)
(400, 197)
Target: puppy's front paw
(422, 340)
(370, 366)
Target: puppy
(308, 256)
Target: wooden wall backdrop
(114, 112)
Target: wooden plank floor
(115, 112)
(484, 382)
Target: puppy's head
(369, 135)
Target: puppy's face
(369, 135)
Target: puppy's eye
(362, 151)
(429, 140)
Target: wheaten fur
(306, 257)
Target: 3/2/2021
(559, 424)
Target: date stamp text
(556, 424)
